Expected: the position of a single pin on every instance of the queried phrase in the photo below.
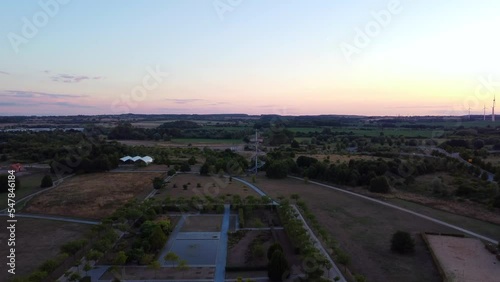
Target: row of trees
(301, 240)
(174, 129)
(223, 161)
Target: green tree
(157, 238)
(158, 183)
(379, 184)
(49, 266)
(359, 278)
(192, 160)
(278, 266)
(277, 169)
(204, 169)
(121, 258)
(185, 167)
(402, 242)
(274, 247)
(183, 265)
(46, 181)
(343, 259)
(155, 265)
(171, 256)
(87, 267)
(75, 276)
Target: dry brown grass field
(336, 158)
(94, 195)
(364, 229)
(222, 187)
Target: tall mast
(256, 151)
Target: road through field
(58, 218)
(473, 234)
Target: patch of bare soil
(464, 259)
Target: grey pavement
(255, 188)
(220, 270)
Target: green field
(406, 132)
(211, 141)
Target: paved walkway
(473, 234)
(220, 270)
(332, 272)
(170, 242)
(255, 188)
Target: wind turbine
(469, 112)
(493, 110)
(484, 112)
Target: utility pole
(256, 151)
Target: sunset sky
(376, 57)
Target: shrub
(464, 191)
(379, 185)
(204, 170)
(49, 266)
(46, 182)
(258, 250)
(402, 242)
(274, 247)
(185, 167)
(278, 266)
(241, 217)
(73, 246)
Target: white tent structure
(146, 159)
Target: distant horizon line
(250, 115)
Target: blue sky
(281, 57)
